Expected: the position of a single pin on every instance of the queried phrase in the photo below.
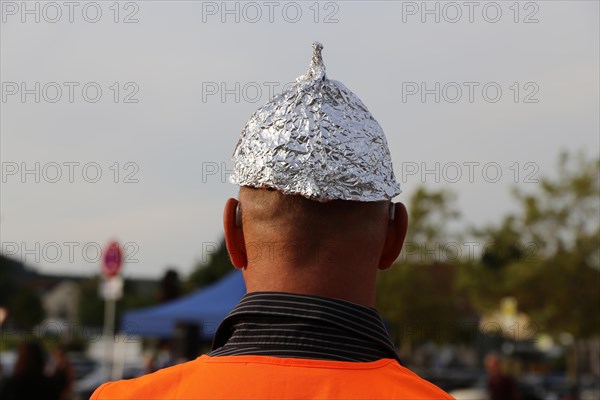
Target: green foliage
(420, 302)
(91, 309)
(217, 266)
(23, 303)
(417, 296)
(429, 214)
(133, 299)
(547, 254)
(7, 282)
(26, 309)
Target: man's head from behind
(324, 227)
(290, 243)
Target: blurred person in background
(165, 357)
(28, 381)
(159, 358)
(500, 386)
(170, 286)
(61, 371)
(149, 363)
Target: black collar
(301, 326)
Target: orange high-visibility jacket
(262, 377)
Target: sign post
(111, 290)
(3, 316)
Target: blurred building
(61, 301)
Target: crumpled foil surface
(316, 139)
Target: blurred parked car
(82, 366)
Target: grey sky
(179, 53)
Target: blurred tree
(134, 297)
(430, 214)
(26, 308)
(417, 296)
(206, 273)
(7, 281)
(23, 303)
(564, 211)
(91, 311)
(547, 255)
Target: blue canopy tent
(206, 308)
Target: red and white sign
(112, 259)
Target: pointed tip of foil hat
(317, 47)
(316, 70)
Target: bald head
(270, 215)
(289, 243)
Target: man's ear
(396, 233)
(234, 234)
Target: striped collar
(301, 326)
